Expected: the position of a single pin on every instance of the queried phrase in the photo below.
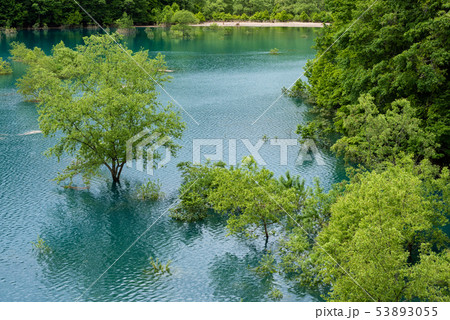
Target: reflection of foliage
(158, 267)
(248, 195)
(182, 31)
(41, 246)
(227, 31)
(372, 137)
(150, 33)
(150, 190)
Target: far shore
(294, 24)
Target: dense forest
(384, 85)
(55, 13)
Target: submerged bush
(274, 51)
(197, 182)
(150, 191)
(5, 67)
(158, 267)
(41, 246)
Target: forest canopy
(55, 13)
(393, 63)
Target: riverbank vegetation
(391, 70)
(66, 13)
(96, 108)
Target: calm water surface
(225, 81)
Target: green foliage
(372, 138)
(5, 67)
(197, 183)
(251, 198)
(228, 31)
(158, 267)
(304, 17)
(316, 131)
(165, 16)
(293, 182)
(116, 104)
(20, 52)
(386, 231)
(283, 16)
(260, 16)
(150, 191)
(274, 51)
(267, 266)
(184, 17)
(299, 90)
(275, 294)
(125, 22)
(244, 17)
(182, 31)
(401, 52)
(213, 27)
(149, 32)
(199, 15)
(74, 19)
(144, 12)
(41, 246)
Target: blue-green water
(225, 82)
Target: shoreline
(291, 24)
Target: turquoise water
(225, 82)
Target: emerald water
(225, 81)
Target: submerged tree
(96, 97)
(252, 198)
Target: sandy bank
(261, 24)
(254, 24)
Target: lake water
(225, 82)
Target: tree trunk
(266, 232)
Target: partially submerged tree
(96, 97)
(249, 196)
(252, 198)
